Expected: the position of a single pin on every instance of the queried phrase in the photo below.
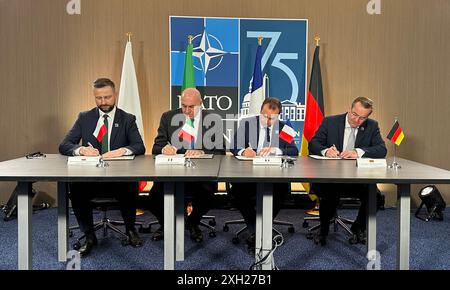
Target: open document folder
(329, 158)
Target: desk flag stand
(396, 136)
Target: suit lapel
(360, 135)
(114, 130)
(341, 133)
(257, 133)
(93, 120)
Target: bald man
(208, 139)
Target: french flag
(288, 133)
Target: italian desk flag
(288, 133)
(187, 132)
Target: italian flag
(100, 131)
(187, 132)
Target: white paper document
(204, 156)
(127, 157)
(318, 157)
(242, 158)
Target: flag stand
(394, 164)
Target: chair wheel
(309, 236)
(226, 228)
(235, 240)
(76, 246)
(291, 230)
(212, 234)
(212, 222)
(305, 224)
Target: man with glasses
(259, 136)
(111, 132)
(350, 135)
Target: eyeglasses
(360, 118)
(106, 98)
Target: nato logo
(215, 54)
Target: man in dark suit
(207, 139)
(111, 132)
(259, 136)
(350, 135)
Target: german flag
(396, 134)
(314, 106)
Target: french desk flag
(288, 133)
(100, 130)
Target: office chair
(210, 222)
(235, 239)
(103, 205)
(337, 220)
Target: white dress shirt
(100, 121)
(347, 131)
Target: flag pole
(394, 164)
(317, 39)
(129, 35)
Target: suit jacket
(124, 133)
(331, 131)
(171, 123)
(242, 138)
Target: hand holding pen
(89, 151)
(332, 152)
(169, 149)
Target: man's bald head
(191, 102)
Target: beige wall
(48, 60)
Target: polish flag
(100, 131)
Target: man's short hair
(104, 82)
(273, 103)
(365, 102)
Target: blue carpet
(430, 248)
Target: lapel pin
(116, 125)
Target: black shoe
(91, 242)
(358, 237)
(196, 233)
(134, 239)
(320, 239)
(158, 234)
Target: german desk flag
(396, 134)
(314, 106)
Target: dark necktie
(192, 145)
(105, 137)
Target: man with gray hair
(205, 136)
